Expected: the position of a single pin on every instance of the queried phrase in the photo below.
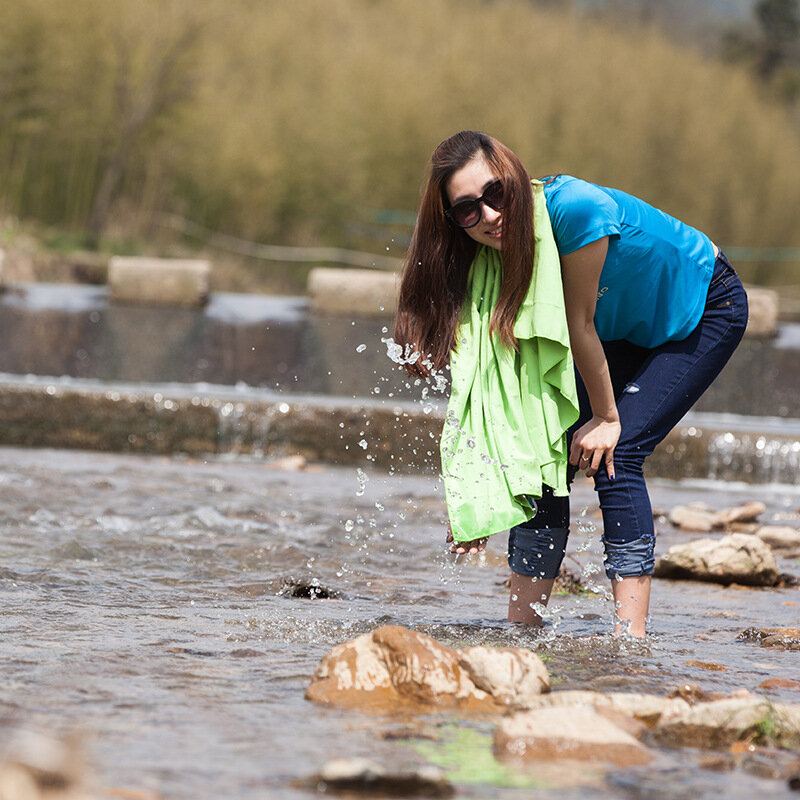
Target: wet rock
(692, 519)
(717, 762)
(721, 723)
(566, 582)
(747, 512)
(779, 638)
(646, 708)
(736, 558)
(367, 778)
(310, 590)
(701, 517)
(512, 675)
(396, 668)
(575, 733)
(690, 692)
(763, 312)
(414, 731)
(159, 281)
(780, 683)
(353, 291)
(770, 763)
(36, 766)
(709, 666)
(742, 527)
(779, 537)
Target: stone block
(359, 292)
(763, 311)
(161, 281)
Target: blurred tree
(773, 48)
(167, 83)
(780, 28)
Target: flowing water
(148, 602)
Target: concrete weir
(401, 436)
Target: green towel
(505, 429)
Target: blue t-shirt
(656, 274)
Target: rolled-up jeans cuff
(630, 559)
(536, 552)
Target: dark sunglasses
(468, 213)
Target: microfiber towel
(508, 414)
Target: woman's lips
(496, 233)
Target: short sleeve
(581, 213)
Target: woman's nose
(490, 216)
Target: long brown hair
(433, 286)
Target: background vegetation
(293, 123)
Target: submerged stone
(367, 778)
(308, 590)
(779, 638)
(736, 558)
(574, 733)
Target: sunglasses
(468, 213)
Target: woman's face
(468, 183)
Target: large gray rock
(720, 723)
(574, 733)
(512, 675)
(394, 668)
(736, 558)
(646, 708)
(353, 291)
(159, 281)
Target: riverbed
(147, 602)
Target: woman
(654, 311)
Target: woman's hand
(475, 546)
(594, 443)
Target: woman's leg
(535, 551)
(669, 381)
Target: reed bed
(292, 123)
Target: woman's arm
(596, 440)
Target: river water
(144, 603)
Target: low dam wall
(400, 436)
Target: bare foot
(473, 546)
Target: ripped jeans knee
(536, 552)
(629, 559)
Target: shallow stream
(144, 602)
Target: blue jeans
(653, 388)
